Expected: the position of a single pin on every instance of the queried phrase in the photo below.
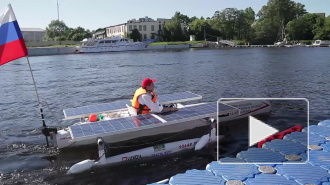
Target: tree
(233, 23)
(174, 27)
(56, 31)
(135, 35)
(192, 19)
(184, 19)
(197, 28)
(275, 15)
(305, 27)
(77, 34)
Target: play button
(258, 130)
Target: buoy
(92, 118)
(202, 142)
(81, 166)
(99, 117)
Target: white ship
(110, 44)
(321, 43)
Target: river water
(67, 81)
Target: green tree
(275, 15)
(135, 35)
(193, 18)
(77, 34)
(305, 27)
(175, 29)
(320, 28)
(197, 28)
(249, 17)
(327, 28)
(56, 31)
(233, 23)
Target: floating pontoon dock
(315, 171)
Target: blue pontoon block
(261, 155)
(269, 179)
(197, 177)
(285, 147)
(303, 173)
(233, 171)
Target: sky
(102, 13)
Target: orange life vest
(142, 109)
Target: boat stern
(62, 138)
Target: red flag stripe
(12, 51)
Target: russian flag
(12, 45)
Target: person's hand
(174, 109)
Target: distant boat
(110, 44)
(280, 43)
(299, 45)
(321, 43)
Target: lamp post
(204, 34)
(58, 12)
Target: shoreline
(44, 51)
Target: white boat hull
(321, 43)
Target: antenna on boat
(45, 130)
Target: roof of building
(138, 21)
(99, 32)
(32, 29)
(117, 25)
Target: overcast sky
(102, 13)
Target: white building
(33, 34)
(148, 28)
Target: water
(75, 80)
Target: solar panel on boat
(111, 126)
(84, 111)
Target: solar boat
(119, 124)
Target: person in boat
(145, 99)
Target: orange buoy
(92, 118)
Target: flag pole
(45, 130)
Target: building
(148, 28)
(99, 34)
(33, 34)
